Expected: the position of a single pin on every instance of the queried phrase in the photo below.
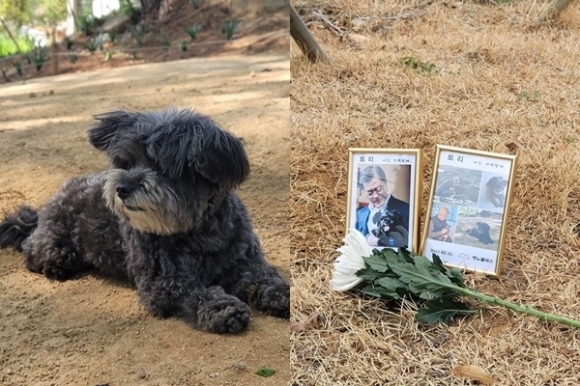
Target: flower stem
(515, 307)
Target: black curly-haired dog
(390, 229)
(481, 232)
(165, 218)
(496, 189)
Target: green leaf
(390, 285)
(380, 292)
(265, 372)
(438, 263)
(423, 280)
(456, 277)
(406, 255)
(443, 310)
(369, 274)
(377, 262)
(454, 274)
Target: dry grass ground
(495, 80)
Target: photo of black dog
(390, 230)
(481, 232)
(164, 218)
(496, 188)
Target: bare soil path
(92, 332)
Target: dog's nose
(124, 190)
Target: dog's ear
(110, 127)
(219, 156)
(192, 140)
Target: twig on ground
(326, 20)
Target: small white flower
(350, 261)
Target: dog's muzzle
(125, 189)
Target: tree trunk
(10, 34)
(166, 6)
(304, 38)
(154, 11)
(54, 53)
(150, 10)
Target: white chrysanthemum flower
(350, 261)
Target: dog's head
(497, 184)
(387, 221)
(482, 227)
(169, 167)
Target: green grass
(530, 95)
(7, 46)
(193, 31)
(230, 28)
(417, 64)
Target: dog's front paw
(224, 315)
(274, 299)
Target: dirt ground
(91, 332)
(263, 27)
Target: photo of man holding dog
(383, 219)
(439, 228)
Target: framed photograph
(384, 187)
(468, 208)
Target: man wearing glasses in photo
(373, 181)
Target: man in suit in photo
(373, 181)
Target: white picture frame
(396, 222)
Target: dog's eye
(122, 164)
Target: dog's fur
(165, 218)
(496, 188)
(390, 230)
(481, 232)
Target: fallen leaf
(439, 340)
(314, 320)
(331, 347)
(563, 147)
(265, 372)
(358, 39)
(514, 145)
(297, 327)
(473, 372)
